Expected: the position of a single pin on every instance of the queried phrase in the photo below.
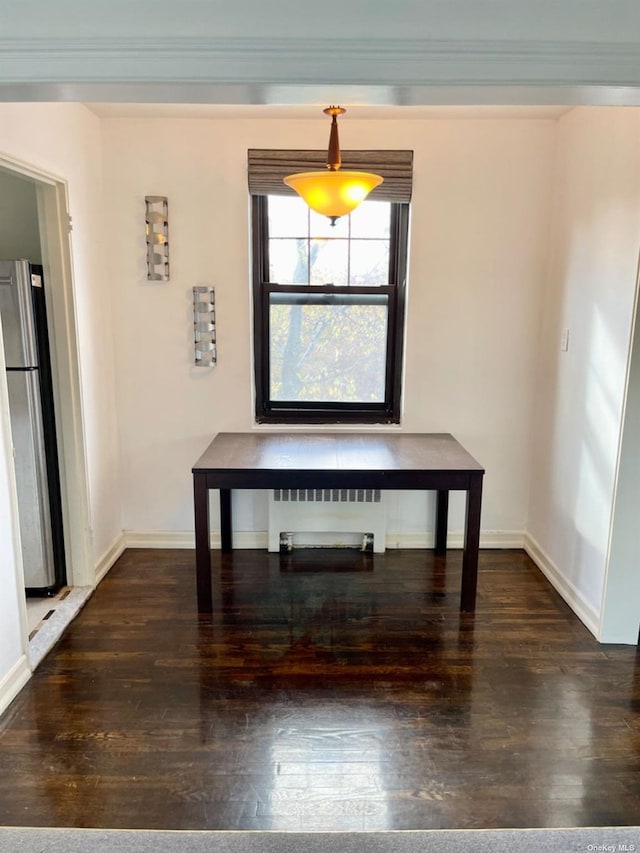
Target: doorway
(37, 226)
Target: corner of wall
(571, 595)
(13, 682)
(109, 557)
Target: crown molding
(392, 62)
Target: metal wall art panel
(204, 326)
(157, 228)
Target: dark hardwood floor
(331, 691)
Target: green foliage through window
(328, 305)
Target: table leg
(203, 551)
(442, 518)
(471, 546)
(226, 541)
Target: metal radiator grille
(327, 495)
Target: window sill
(306, 419)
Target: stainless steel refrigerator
(26, 351)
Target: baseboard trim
(488, 539)
(13, 682)
(244, 539)
(185, 539)
(109, 557)
(573, 597)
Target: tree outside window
(328, 312)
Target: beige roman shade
(267, 167)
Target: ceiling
(410, 54)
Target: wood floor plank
(331, 690)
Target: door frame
(55, 237)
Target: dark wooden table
(434, 461)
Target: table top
(343, 452)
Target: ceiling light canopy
(333, 193)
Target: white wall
(64, 140)
(19, 234)
(590, 291)
(477, 255)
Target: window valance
(267, 167)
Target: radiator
(330, 518)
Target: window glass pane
(328, 352)
(289, 261)
(320, 226)
(329, 260)
(369, 262)
(371, 219)
(288, 216)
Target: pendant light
(333, 193)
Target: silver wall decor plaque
(204, 326)
(157, 235)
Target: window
(328, 307)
